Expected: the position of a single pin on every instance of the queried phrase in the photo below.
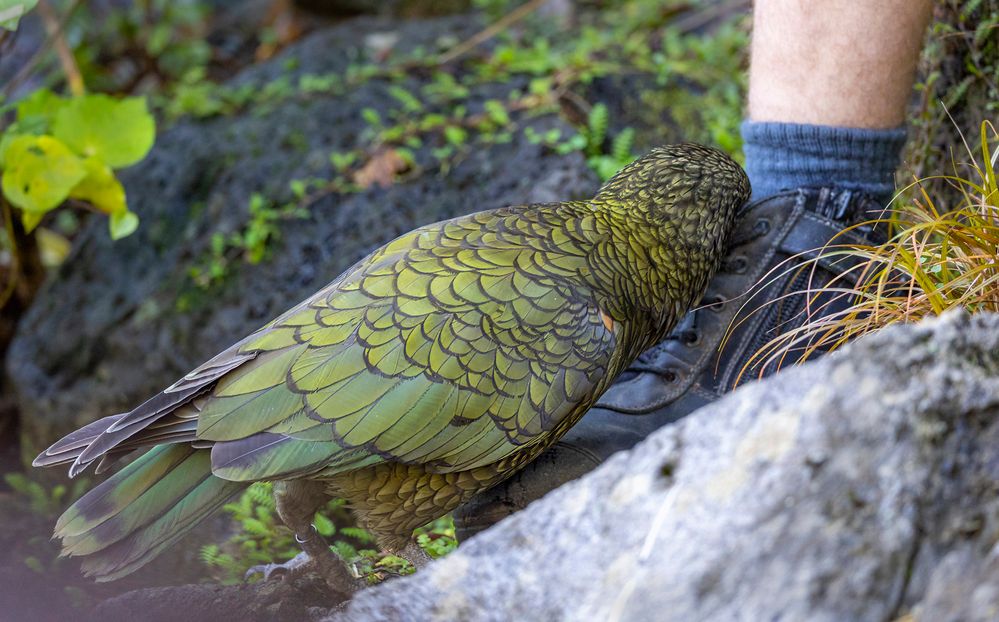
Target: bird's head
(688, 186)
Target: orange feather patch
(607, 320)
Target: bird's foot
(329, 566)
(339, 576)
(315, 558)
(289, 569)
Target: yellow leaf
(100, 187)
(40, 171)
(30, 220)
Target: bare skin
(846, 63)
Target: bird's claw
(295, 564)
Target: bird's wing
(450, 347)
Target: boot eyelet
(738, 264)
(691, 338)
(762, 226)
(715, 303)
(670, 376)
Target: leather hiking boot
(686, 370)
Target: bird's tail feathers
(131, 517)
(68, 448)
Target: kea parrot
(432, 369)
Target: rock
(300, 600)
(121, 320)
(863, 486)
(964, 587)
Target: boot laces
(690, 334)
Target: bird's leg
(297, 503)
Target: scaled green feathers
(429, 371)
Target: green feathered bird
(431, 370)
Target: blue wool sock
(781, 156)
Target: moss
(958, 88)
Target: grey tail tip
(77, 467)
(45, 459)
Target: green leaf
(159, 38)
(342, 160)
(540, 86)
(5, 141)
(597, 128)
(30, 220)
(41, 172)
(324, 526)
(409, 102)
(621, 147)
(101, 188)
(34, 563)
(11, 12)
(122, 224)
(40, 107)
(119, 131)
(407, 156)
(33, 125)
(455, 135)
(497, 112)
(371, 116)
(17, 481)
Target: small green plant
(605, 164)
(141, 46)
(46, 501)
(590, 140)
(261, 538)
(437, 538)
(249, 243)
(68, 148)
(703, 82)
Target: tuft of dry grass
(933, 261)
